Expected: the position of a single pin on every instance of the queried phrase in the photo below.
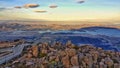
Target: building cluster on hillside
(67, 55)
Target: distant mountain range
(101, 36)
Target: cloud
(2, 9)
(40, 11)
(80, 1)
(18, 7)
(53, 6)
(5, 8)
(31, 5)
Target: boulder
(35, 51)
(74, 60)
(66, 61)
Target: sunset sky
(67, 10)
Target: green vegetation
(76, 47)
(42, 55)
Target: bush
(76, 47)
(42, 55)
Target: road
(6, 49)
(16, 52)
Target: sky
(67, 10)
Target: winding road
(16, 52)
